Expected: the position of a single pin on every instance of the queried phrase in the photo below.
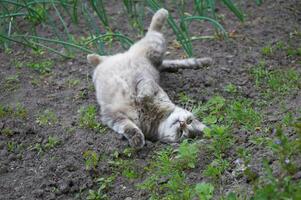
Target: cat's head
(178, 125)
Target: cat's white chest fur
(131, 100)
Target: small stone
(63, 187)
(128, 198)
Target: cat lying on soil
(132, 102)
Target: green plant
(167, 178)
(87, 118)
(19, 111)
(272, 82)
(216, 168)
(271, 187)
(41, 67)
(211, 112)
(267, 50)
(11, 146)
(242, 113)
(187, 154)
(126, 167)
(204, 191)
(184, 98)
(73, 82)
(221, 139)
(52, 142)
(135, 11)
(103, 186)
(91, 159)
(46, 118)
(6, 131)
(231, 88)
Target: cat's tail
(95, 59)
(189, 63)
(158, 20)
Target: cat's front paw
(137, 139)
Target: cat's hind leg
(189, 63)
(121, 124)
(158, 20)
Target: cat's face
(179, 125)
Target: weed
(11, 82)
(73, 82)
(87, 119)
(11, 146)
(267, 50)
(211, 112)
(103, 185)
(187, 155)
(52, 142)
(41, 67)
(91, 159)
(216, 168)
(242, 113)
(128, 168)
(280, 82)
(13, 79)
(204, 191)
(271, 187)
(46, 118)
(167, 178)
(230, 88)
(7, 132)
(19, 111)
(184, 98)
(221, 139)
(38, 147)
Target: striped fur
(131, 100)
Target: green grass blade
(234, 9)
(56, 42)
(12, 15)
(117, 35)
(212, 21)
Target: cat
(131, 101)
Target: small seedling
(103, 185)
(7, 132)
(47, 118)
(231, 88)
(18, 111)
(242, 113)
(204, 191)
(42, 67)
(11, 146)
(87, 118)
(187, 154)
(216, 168)
(12, 82)
(52, 142)
(267, 50)
(91, 159)
(73, 82)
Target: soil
(60, 172)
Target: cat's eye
(189, 121)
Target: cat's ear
(95, 59)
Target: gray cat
(132, 102)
